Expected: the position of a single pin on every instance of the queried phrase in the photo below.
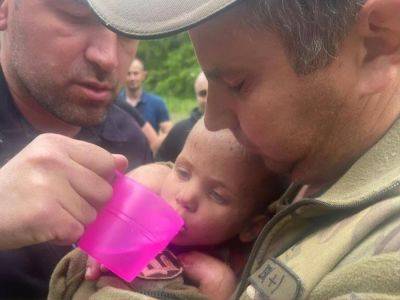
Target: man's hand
(52, 189)
(152, 176)
(215, 279)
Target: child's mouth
(183, 229)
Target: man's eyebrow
(83, 2)
(71, 2)
(212, 74)
(217, 73)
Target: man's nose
(219, 115)
(103, 50)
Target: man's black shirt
(25, 273)
(176, 138)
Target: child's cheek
(168, 192)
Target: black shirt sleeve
(174, 142)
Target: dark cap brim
(147, 19)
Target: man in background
(173, 143)
(150, 106)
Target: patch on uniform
(274, 281)
(165, 266)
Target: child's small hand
(93, 269)
(215, 279)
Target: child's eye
(182, 173)
(218, 198)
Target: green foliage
(172, 66)
(180, 108)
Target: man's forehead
(201, 83)
(136, 65)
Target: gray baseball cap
(146, 19)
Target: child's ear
(253, 229)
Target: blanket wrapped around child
(162, 279)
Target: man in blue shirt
(150, 106)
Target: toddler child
(222, 193)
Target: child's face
(211, 186)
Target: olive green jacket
(343, 244)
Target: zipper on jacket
(159, 295)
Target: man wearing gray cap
(59, 74)
(314, 87)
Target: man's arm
(375, 277)
(163, 119)
(52, 189)
(165, 127)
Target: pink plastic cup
(133, 227)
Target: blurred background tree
(172, 68)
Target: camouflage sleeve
(374, 277)
(365, 296)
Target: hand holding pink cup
(133, 227)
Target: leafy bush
(172, 66)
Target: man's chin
(84, 119)
(245, 142)
(281, 168)
(133, 88)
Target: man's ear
(378, 24)
(3, 14)
(253, 229)
(144, 75)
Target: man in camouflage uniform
(314, 87)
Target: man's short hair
(311, 30)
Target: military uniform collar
(376, 173)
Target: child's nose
(187, 201)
